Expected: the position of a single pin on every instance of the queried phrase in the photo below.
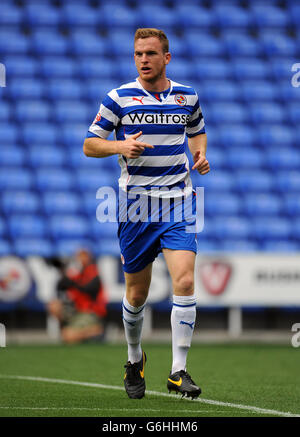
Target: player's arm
(100, 148)
(198, 147)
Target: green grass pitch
(236, 380)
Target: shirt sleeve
(196, 125)
(107, 118)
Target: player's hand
(201, 164)
(132, 148)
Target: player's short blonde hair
(148, 32)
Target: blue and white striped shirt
(165, 120)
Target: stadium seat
(17, 202)
(103, 231)
(41, 15)
(291, 204)
(222, 204)
(107, 247)
(26, 88)
(72, 111)
(54, 179)
(58, 67)
(276, 135)
(212, 69)
(5, 112)
(11, 156)
(17, 178)
(275, 44)
(73, 135)
(61, 202)
(258, 181)
(244, 246)
(177, 46)
(258, 90)
(228, 113)
(87, 43)
(283, 158)
(288, 181)
(269, 16)
(13, 43)
(193, 16)
(203, 44)
(231, 16)
(284, 246)
(64, 89)
(294, 112)
(120, 43)
(214, 90)
(237, 158)
(236, 135)
(67, 247)
(205, 245)
(33, 246)
(49, 42)
(2, 227)
(232, 227)
(266, 113)
(250, 68)
(262, 204)
(240, 44)
(39, 133)
(46, 156)
(68, 226)
(9, 133)
(127, 71)
(90, 67)
(92, 179)
(294, 11)
(281, 68)
(272, 228)
(82, 15)
(5, 248)
(10, 15)
(217, 158)
(26, 225)
(118, 16)
(179, 71)
(219, 181)
(21, 66)
(159, 16)
(32, 110)
(288, 94)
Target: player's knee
(136, 298)
(185, 284)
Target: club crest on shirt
(180, 99)
(97, 118)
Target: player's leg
(181, 265)
(137, 287)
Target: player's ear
(167, 57)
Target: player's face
(150, 60)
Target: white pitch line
(155, 393)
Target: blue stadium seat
(33, 246)
(192, 16)
(69, 226)
(294, 11)
(177, 46)
(107, 247)
(204, 245)
(281, 68)
(32, 110)
(43, 156)
(270, 16)
(264, 228)
(64, 89)
(27, 88)
(244, 246)
(80, 16)
(217, 158)
(284, 246)
(40, 133)
(289, 94)
(119, 16)
(259, 90)
(92, 179)
(294, 112)
(11, 156)
(2, 227)
(103, 231)
(291, 202)
(214, 90)
(180, 71)
(96, 89)
(228, 113)
(49, 42)
(283, 158)
(26, 225)
(258, 181)
(203, 44)
(276, 44)
(20, 202)
(212, 69)
(67, 247)
(61, 202)
(127, 71)
(250, 68)
(54, 179)
(87, 43)
(10, 15)
(120, 43)
(222, 204)
(232, 227)
(41, 15)
(237, 157)
(73, 135)
(9, 133)
(5, 248)
(13, 43)
(240, 44)
(58, 67)
(17, 178)
(236, 135)
(288, 181)
(231, 16)
(295, 225)
(68, 111)
(99, 67)
(21, 66)
(5, 111)
(157, 16)
(267, 113)
(262, 204)
(275, 135)
(219, 181)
